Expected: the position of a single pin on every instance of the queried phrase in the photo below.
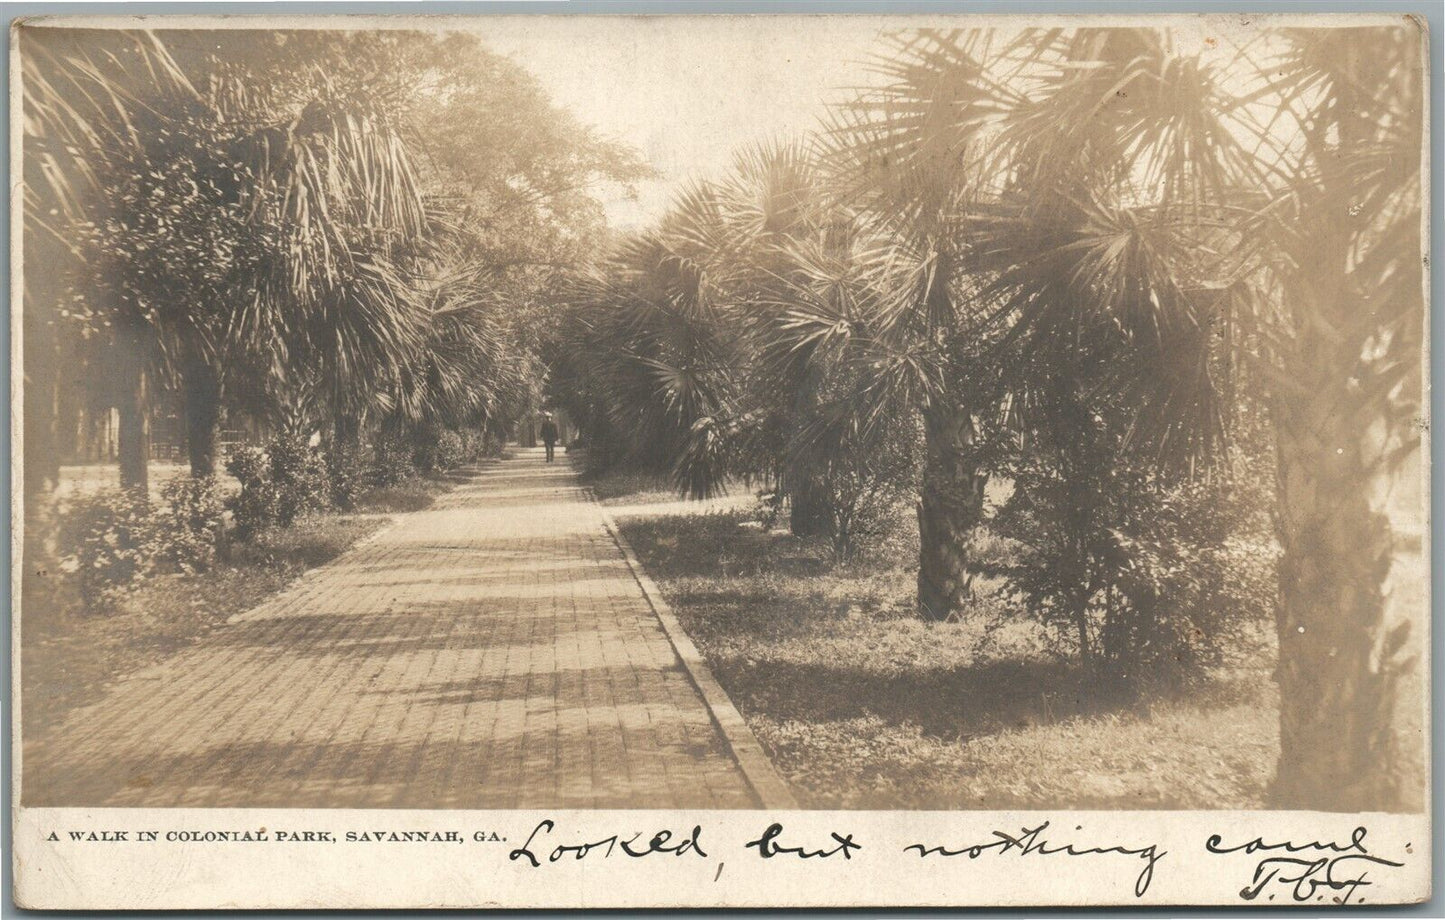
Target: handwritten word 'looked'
(660, 842)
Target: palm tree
(225, 224)
(774, 203)
(466, 369)
(912, 155)
(1131, 204)
(1101, 253)
(1342, 297)
(653, 336)
(1221, 238)
(696, 325)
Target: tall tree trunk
(1336, 427)
(346, 430)
(41, 396)
(134, 409)
(950, 505)
(203, 413)
(808, 513)
(807, 490)
(1337, 660)
(1338, 657)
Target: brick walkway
(493, 651)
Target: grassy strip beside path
(862, 705)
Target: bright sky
(686, 93)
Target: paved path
(493, 651)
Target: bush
(1187, 582)
(285, 481)
(120, 538)
(450, 451)
(191, 523)
(253, 508)
(116, 543)
(430, 449)
(868, 483)
(1154, 580)
(480, 445)
(391, 461)
(299, 476)
(436, 450)
(347, 467)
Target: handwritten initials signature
(1309, 871)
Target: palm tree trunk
(203, 414)
(807, 491)
(1336, 425)
(808, 515)
(950, 505)
(346, 430)
(1337, 659)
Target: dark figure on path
(549, 435)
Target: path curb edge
(757, 768)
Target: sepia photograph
(837, 414)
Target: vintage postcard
(720, 461)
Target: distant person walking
(549, 435)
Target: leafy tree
(290, 208)
(214, 218)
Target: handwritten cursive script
(660, 842)
(1308, 870)
(767, 846)
(1030, 842)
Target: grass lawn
(862, 705)
(70, 654)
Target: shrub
(436, 449)
(1153, 580)
(391, 461)
(473, 446)
(451, 450)
(191, 524)
(299, 476)
(1187, 582)
(120, 538)
(347, 466)
(867, 484)
(116, 543)
(481, 445)
(253, 508)
(285, 481)
(770, 507)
